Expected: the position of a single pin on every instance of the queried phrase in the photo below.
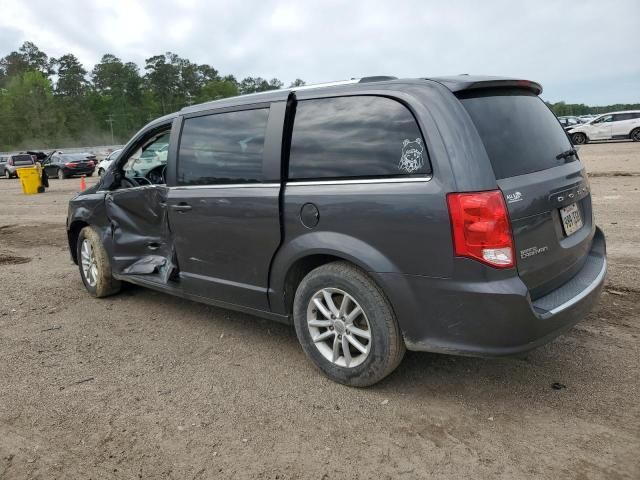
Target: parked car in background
(64, 165)
(104, 164)
(9, 163)
(569, 122)
(608, 126)
(39, 156)
(447, 215)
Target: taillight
(10, 161)
(70, 165)
(481, 228)
(90, 163)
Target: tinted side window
(619, 117)
(222, 148)
(363, 136)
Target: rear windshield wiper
(572, 152)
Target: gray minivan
(446, 214)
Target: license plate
(571, 218)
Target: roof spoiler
(460, 84)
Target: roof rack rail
(326, 84)
(377, 78)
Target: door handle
(181, 207)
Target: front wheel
(346, 326)
(579, 138)
(61, 174)
(7, 174)
(635, 135)
(94, 264)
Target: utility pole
(110, 121)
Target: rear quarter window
(355, 137)
(520, 134)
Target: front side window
(355, 137)
(146, 165)
(223, 148)
(605, 119)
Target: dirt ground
(144, 385)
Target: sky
(581, 51)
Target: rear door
(545, 187)
(622, 124)
(224, 202)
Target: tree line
(47, 101)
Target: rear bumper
(491, 318)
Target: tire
(7, 174)
(385, 345)
(635, 135)
(579, 138)
(61, 174)
(100, 283)
(90, 174)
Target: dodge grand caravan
(377, 215)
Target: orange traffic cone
(83, 184)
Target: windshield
(520, 134)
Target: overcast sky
(581, 51)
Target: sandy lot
(144, 385)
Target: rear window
(520, 134)
(23, 159)
(75, 157)
(355, 137)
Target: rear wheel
(61, 174)
(94, 265)
(7, 174)
(635, 135)
(579, 138)
(346, 325)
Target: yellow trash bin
(29, 179)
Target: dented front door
(141, 240)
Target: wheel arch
(72, 234)
(295, 260)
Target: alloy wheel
(339, 327)
(88, 261)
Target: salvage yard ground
(144, 385)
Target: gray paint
(237, 245)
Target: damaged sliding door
(141, 240)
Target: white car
(108, 160)
(608, 126)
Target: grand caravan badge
(531, 251)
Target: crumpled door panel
(141, 239)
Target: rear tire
(61, 174)
(7, 174)
(635, 135)
(94, 265)
(374, 330)
(579, 138)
